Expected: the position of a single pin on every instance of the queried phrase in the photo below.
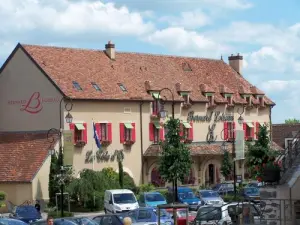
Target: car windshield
(209, 213)
(27, 211)
(186, 195)
(154, 197)
(252, 191)
(11, 222)
(216, 187)
(209, 194)
(124, 198)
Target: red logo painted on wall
(34, 104)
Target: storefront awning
(79, 126)
(187, 125)
(157, 125)
(128, 125)
(156, 95)
(250, 124)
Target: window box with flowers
(105, 142)
(79, 134)
(154, 116)
(80, 143)
(127, 133)
(128, 142)
(249, 138)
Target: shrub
(56, 214)
(2, 196)
(145, 188)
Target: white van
(119, 200)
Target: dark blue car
(186, 196)
(149, 214)
(26, 213)
(251, 194)
(6, 221)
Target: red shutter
(191, 137)
(98, 130)
(133, 138)
(225, 132)
(161, 134)
(252, 130)
(257, 130)
(234, 131)
(72, 127)
(109, 132)
(122, 137)
(245, 129)
(181, 130)
(85, 133)
(151, 133)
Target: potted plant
(128, 142)
(154, 116)
(105, 142)
(80, 143)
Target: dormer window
(186, 97)
(261, 100)
(155, 105)
(228, 98)
(210, 98)
(248, 99)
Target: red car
(181, 216)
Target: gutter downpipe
(142, 143)
(270, 117)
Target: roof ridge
(122, 52)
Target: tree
(227, 165)
(53, 186)
(120, 158)
(260, 154)
(291, 121)
(175, 161)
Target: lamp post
(224, 147)
(68, 118)
(163, 114)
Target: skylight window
(77, 86)
(96, 86)
(123, 88)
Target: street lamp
(232, 140)
(51, 139)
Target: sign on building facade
(240, 145)
(68, 147)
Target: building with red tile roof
(119, 92)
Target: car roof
(120, 191)
(152, 192)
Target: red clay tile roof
(282, 131)
(64, 65)
(195, 149)
(22, 155)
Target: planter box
(105, 142)
(271, 175)
(128, 143)
(80, 143)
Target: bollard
(127, 221)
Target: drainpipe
(142, 143)
(270, 117)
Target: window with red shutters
(103, 132)
(155, 134)
(79, 132)
(249, 130)
(191, 132)
(133, 133)
(128, 134)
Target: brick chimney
(236, 62)
(110, 50)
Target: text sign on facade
(68, 147)
(240, 145)
(34, 104)
(215, 116)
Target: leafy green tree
(227, 165)
(260, 154)
(175, 161)
(53, 184)
(291, 121)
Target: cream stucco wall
(17, 193)
(41, 181)
(24, 88)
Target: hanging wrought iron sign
(216, 116)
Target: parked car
(250, 194)
(6, 221)
(148, 214)
(209, 197)
(187, 196)
(116, 219)
(224, 188)
(151, 199)
(181, 216)
(26, 213)
(81, 220)
(119, 200)
(255, 184)
(213, 214)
